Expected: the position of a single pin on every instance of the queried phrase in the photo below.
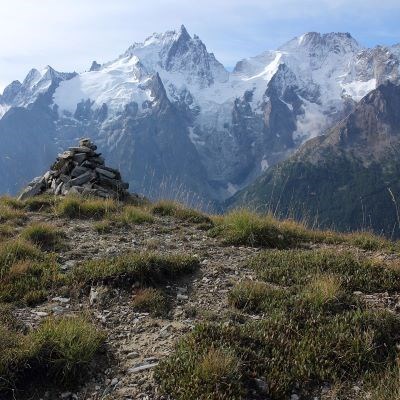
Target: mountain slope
(168, 114)
(347, 178)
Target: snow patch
(232, 189)
(358, 89)
(264, 164)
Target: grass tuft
(45, 236)
(77, 207)
(135, 215)
(144, 267)
(151, 300)
(68, 344)
(173, 209)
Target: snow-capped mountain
(176, 122)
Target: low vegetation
(173, 209)
(299, 267)
(77, 207)
(151, 300)
(243, 227)
(61, 348)
(45, 236)
(144, 267)
(312, 329)
(134, 215)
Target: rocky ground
(136, 342)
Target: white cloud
(69, 34)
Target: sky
(70, 34)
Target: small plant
(16, 250)
(255, 296)
(8, 214)
(60, 349)
(150, 300)
(45, 236)
(173, 209)
(76, 207)
(145, 267)
(135, 215)
(205, 371)
(28, 281)
(242, 227)
(103, 227)
(323, 289)
(67, 345)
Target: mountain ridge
(346, 178)
(233, 124)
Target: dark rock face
(347, 179)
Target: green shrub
(152, 301)
(8, 214)
(103, 227)
(60, 351)
(255, 296)
(242, 227)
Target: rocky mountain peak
(336, 42)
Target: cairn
(79, 171)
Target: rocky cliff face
(176, 123)
(347, 178)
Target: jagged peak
(332, 41)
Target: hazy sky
(69, 34)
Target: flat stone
(81, 149)
(80, 157)
(80, 180)
(33, 189)
(142, 367)
(66, 155)
(78, 171)
(103, 171)
(58, 190)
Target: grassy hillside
(100, 299)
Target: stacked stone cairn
(79, 171)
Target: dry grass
(151, 300)
(79, 207)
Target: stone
(142, 367)
(80, 157)
(33, 189)
(81, 149)
(80, 180)
(106, 173)
(78, 171)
